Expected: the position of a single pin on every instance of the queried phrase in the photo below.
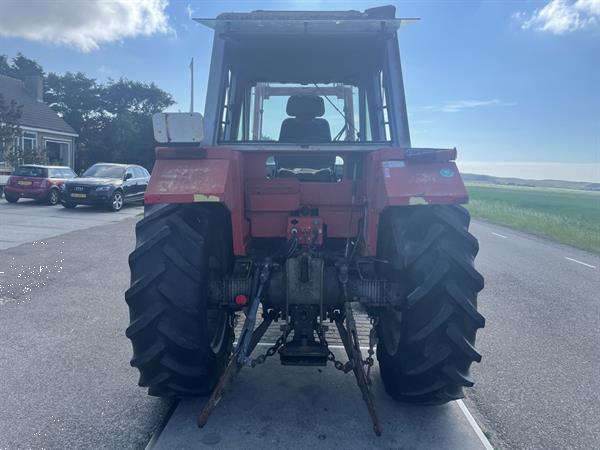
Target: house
(41, 126)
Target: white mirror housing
(178, 128)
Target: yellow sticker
(417, 201)
(206, 198)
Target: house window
(29, 141)
(58, 152)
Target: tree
(75, 97)
(10, 114)
(6, 68)
(135, 97)
(130, 105)
(113, 120)
(19, 67)
(25, 66)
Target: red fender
(201, 176)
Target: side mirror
(178, 128)
(128, 176)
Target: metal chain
(347, 367)
(270, 351)
(338, 364)
(373, 340)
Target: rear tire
(10, 198)
(426, 348)
(180, 345)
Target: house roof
(35, 114)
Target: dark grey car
(106, 184)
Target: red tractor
(298, 198)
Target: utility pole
(192, 85)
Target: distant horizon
(579, 172)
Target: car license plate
(24, 183)
(78, 195)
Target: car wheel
(10, 198)
(116, 201)
(53, 197)
(69, 205)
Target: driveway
(30, 221)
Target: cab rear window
(36, 172)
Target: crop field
(567, 216)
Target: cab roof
(373, 20)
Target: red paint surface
(261, 207)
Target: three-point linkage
(251, 335)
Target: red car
(37, 182)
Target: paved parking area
(30, 221)
(65, 378)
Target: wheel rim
(390, 330)
(218, 339)
(117, 202)
(53, 197)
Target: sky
(508, 83)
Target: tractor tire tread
(167, 305)
(439, 320)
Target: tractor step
(296, 353)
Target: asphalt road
(64, 359)
(66, 381)
(538, 385)
(272, 406)
(29, 220)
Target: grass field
(568, 216)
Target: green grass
(567, 216)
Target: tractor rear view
(297, 202)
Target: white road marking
(579, 262)
(500, 235)
(471, 420)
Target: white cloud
(562, 16)
(461, 105)
(84, 25)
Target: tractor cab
(318, 82)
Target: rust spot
(206, 198)
(417, 201)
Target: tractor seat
(304, 126)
